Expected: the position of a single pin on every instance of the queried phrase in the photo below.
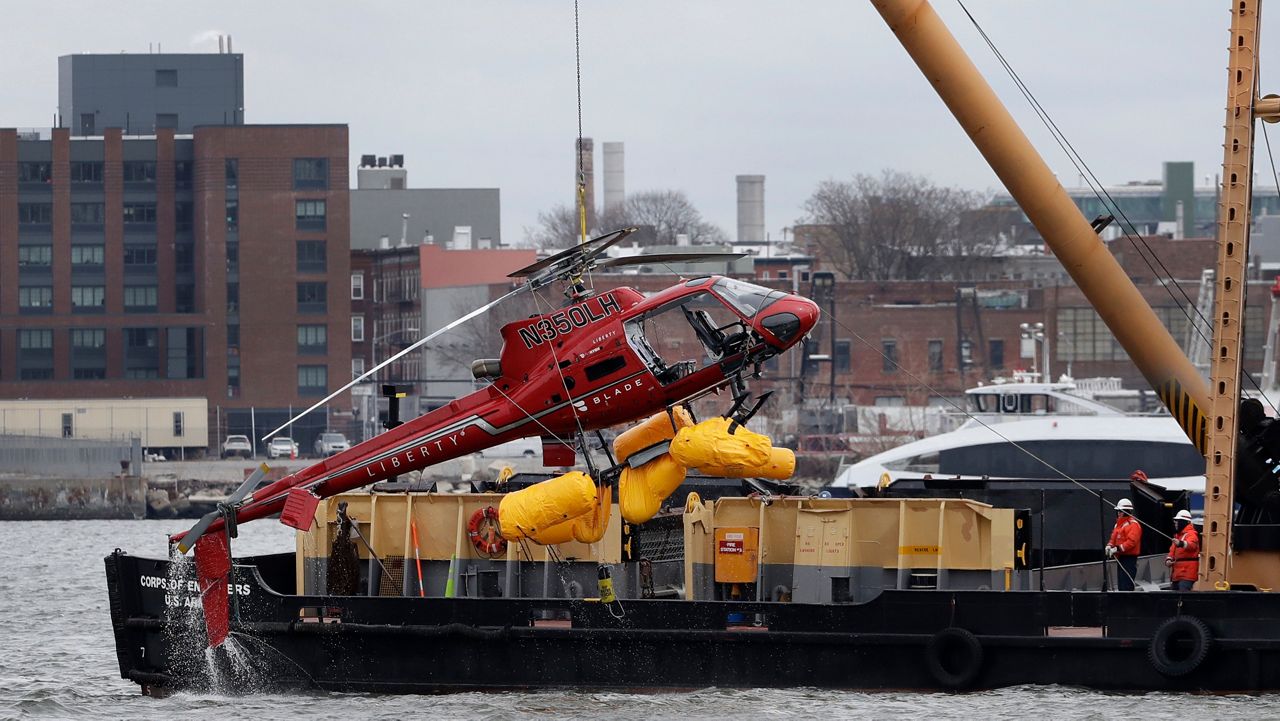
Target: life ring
(955, 657)
(482, 529)
(1179, 646)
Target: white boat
(1037, 431)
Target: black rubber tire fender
(955, 657)
(1160, 654)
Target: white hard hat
(1124, 505)
(1183, 515)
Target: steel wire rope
(1100, 190)
(923, 384)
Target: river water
(57, 660)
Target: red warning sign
(731, 546)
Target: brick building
(202, 265)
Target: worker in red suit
(1184, 553)
(1125, 543)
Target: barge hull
(951, 640)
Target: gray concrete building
(382, 206)
(141, 93)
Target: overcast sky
(481, 93)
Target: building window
(182, 173)
(183, 353)
(184, 257)
(233, 172)
(166, 120)
(310, 173)
(357, 368)
(141, 357)
(88, 338)
(309, 214)
(935, 356)
(135, 338)
(82, 255)
(88, 213)
(357, 328)
(233, 335)
(313, 380)
(184, 298)
(139, 171)
(312, 298)
(233, 214)
(183, 215)
(38, 256)
(313, 340)
(87, 297)
(139, 298)
(233, 297)
(889, 353)
(311, 256)
(35, 172)
(139, 255)
(86, 123)
(167, 79)
(35, 213)
(35, 354)
(135, 213)
(35, 299)
(177, 424)
(86, 171)
(88, 356)
(995, 353)
(843, 356)
(35, 339)
(357, 286)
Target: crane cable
(582, 177)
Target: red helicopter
(583, 367)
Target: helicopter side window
(681, 337)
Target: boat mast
(1218, 568)
(1070, 236)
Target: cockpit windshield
(746, 298)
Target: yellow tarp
(654, 429)
(536, 509)
(642, 490)
(713, 449)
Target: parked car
(330, 443)
(520, 447)
(237, 446)
(282, 447)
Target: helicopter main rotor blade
(202, 525)
(658, 258)
(457, 322)
(579, 253)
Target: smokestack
(384, 243)
(229, 50)
(750, 208)
(404, 230)
(614, 177)
(221, 49)
(585, 154)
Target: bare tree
(667, 213)
(898, 226)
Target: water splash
(229, 668)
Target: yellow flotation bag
(642, 490)
(723, 447)
(531, 511)
(562, 509)
(654, 429)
